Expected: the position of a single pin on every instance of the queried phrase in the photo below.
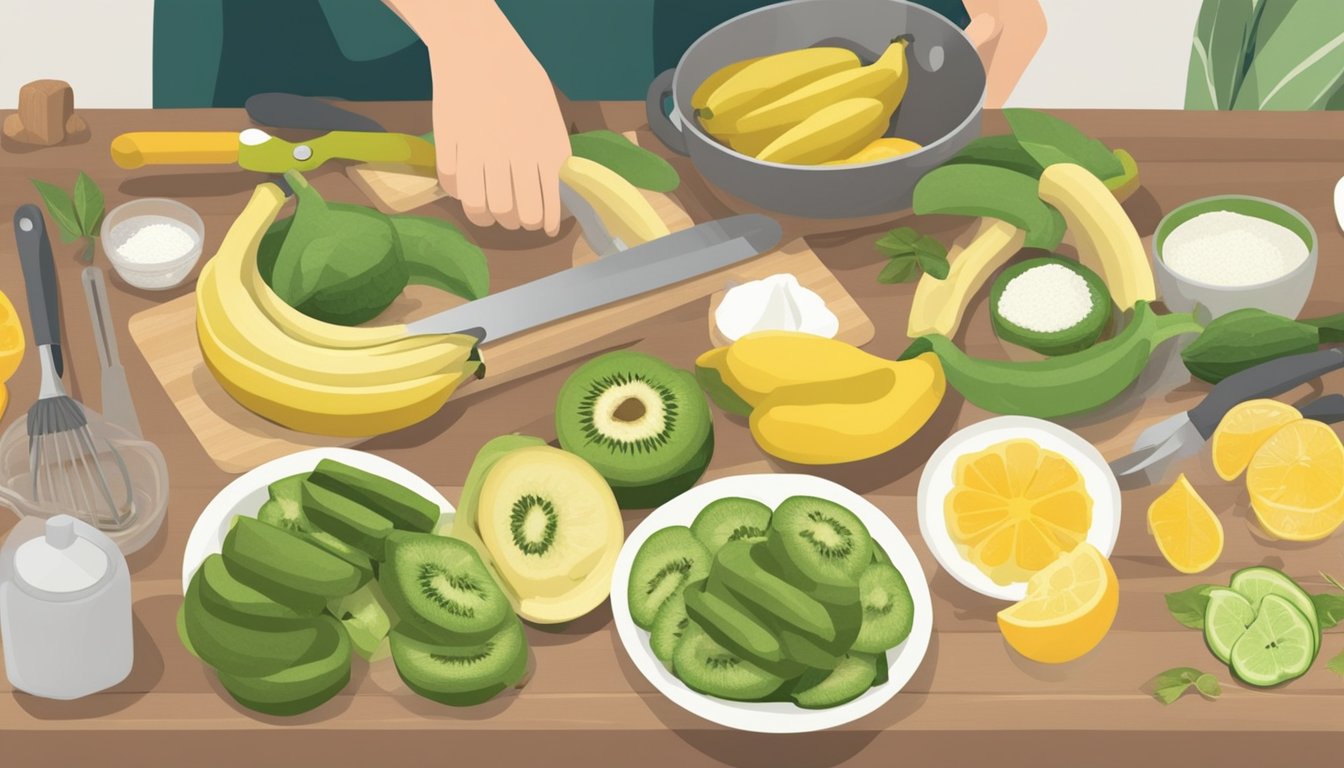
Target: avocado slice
(408, 510)
(1077, 337)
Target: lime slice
(1256, 583)
(1225, 621)
(1277, 647)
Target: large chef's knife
(647, 267)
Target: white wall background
(1098, 53)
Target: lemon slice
(1187, 532)
(1244, 429)
(1015, 507)
(11, 340)
(1068, 610)
(1296, 482)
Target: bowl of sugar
(1230, 252)
(153, 243)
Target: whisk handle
(39, 276)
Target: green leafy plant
(1172, 684)
(1330, 605)
(1187, 606)
(1336, 664)
(910, 253)
(79, 215)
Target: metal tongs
(1165, 443)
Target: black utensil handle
(1328, 409)
(288, 110)
(1264, 380)
(39, 275)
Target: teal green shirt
(220, 52)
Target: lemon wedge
(1069, 608)
(1244, 429)
(1188, 534)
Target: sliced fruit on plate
(888, 610)
(1296, 482)
(406, 509)
(440, 587)
(462, 675)
(1277, 647)
(1015, 507)
(732, 625)
(1226, 619)
(731, 519)
(321, 673)
(225, 596)
(239, 649)
(347, 520)
(1068, 610)
(1243, 430)
(271, 559)
(740, 569)
(709, 668)
(1258, 582)
(1187, 532)
(668, 627)
(669, 560)
(849, 680)
(820, 546)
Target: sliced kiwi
(883, 669)
(284, 507)
(732, 625)
(362, 562)
(668, 626)
(462, 675)
(731, 519)
(440, 587)
(669, 560)
(635, 418)
(659, 493)
(229, 598)
(346, 519)
(746, 570)
(709, 668)
(849, 680)
(366, 616)
(888, 610)
(320, 674)
(494, 450)
(879, 554)
(404, 508)
(238, 649)
(274, 561)
(819, 545)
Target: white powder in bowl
(150, 240)
(1232, 250)
(1046, 299)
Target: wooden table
(972, 699)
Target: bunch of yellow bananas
(813, 106)
(305, 374)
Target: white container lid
(60, 561)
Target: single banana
(762, 362)
(622, 207)
(768, 78)
(838, 130)
(885, 80)
(1107, 241)
(711, 84)
(881, 149)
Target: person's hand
(498, 132)
(1007, 34)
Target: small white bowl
(1284, 295)
(937, 482)
(159, 276)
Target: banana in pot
(838, 130)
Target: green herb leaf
(88, 205)
(1002, 151)
(985, 190)
(87, 254)
(1170, 685)
(1050, 140)
(60, 209)
(1297, 60)
(1188, 606)
(1329, 605)
(1336, 664)
(908, 249)
(1218, 53)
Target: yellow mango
(850, 420)
(759, 363)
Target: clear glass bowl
(157, 276)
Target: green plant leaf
(1329, 605)
(60, 209)
(907, 250)
(1169, 686)
(985, 190)
(88, 205)
(1336, 664)
(897, 271)
(1297, 60)
(1218, 53)
(1050, 140)
(1002, 151)
(1187, 606)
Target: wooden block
(44, 108)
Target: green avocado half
(1079, 336)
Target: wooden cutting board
(238, 440)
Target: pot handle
(664, 127)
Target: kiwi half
(636, 419)
(462, 675)
(888, 610)
(669, 560)
(439, 587)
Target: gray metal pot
(941, 109)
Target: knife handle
(1327, 409)
(135, 150)
(367, 147)
(1264, 380)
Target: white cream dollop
(775, 303)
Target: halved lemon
(1069, 608)
(1296, 482)
(1188, 534)
(11, 339)
(1015, 507)
(1244, 429)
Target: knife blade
(656, 264)
(118, 407)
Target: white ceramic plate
(936, 483)
(773, 717)
(246, 494)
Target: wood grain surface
(972, 702)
